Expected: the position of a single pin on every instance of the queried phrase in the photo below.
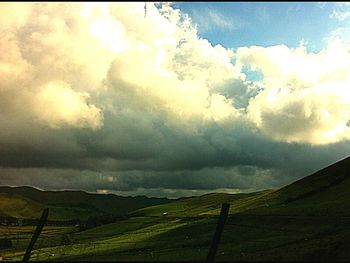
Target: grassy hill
(28, 202)
(325, 192)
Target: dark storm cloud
(234, 157)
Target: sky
(262, 23)
(172, 99)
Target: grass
(244, 238)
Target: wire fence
(154, 238)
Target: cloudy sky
(172, 99)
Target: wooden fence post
(219, 228)
(36, 234)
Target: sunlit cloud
(304, 100)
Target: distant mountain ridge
(26, 201)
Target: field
(305, 221)
(151, 238)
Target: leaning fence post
(36, 234)
(219, 228)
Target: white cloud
(306, 96)
(88, 45)
(74, 59)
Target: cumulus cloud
(102, 96)
(305, 96)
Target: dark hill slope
(325, 192)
